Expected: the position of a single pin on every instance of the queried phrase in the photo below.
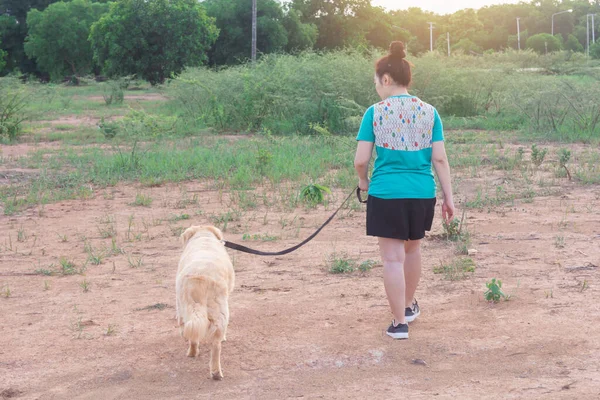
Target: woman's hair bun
(397, 50)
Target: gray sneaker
(399, 331)
(411, 313)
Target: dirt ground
(297, 330)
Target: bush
(13, 100)
(543, 43)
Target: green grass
(458, 269)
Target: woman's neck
(398, 91)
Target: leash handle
(360, 200)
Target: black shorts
(404, 219)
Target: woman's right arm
(442, 169)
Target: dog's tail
(197, 325)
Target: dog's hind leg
(215, 360)
(193, 349)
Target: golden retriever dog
(205, 278)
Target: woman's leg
(412, 269)
(392, 254)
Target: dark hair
(395, 65)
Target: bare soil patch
(297, 331)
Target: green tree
(154, 39)
(595, 50)
(573, 44)
(336, 20)
(234, 20)
(2, 59)
(543, 43)
(301, 36)
(58, 37)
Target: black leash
(245, 249)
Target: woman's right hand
(448, 210)
(363, 184)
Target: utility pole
(518, 33)
(253, 30)
(448, 39)
(587, 32)
(430, 36)
(558, 13)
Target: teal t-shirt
(403, 129)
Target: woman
(408, 137)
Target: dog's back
(205, 278)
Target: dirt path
(298, 331)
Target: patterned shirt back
(403, 129)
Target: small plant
(85, 285)
(110, 330)
(63, 238)
(366, 266)
(46, 286)
(6, 292)
(564, 155)
(175, 218)
(494, 291)
(67, 267)
(549, 294)
(314, 194)
(537, 155)
(114, 248)
(341, 264)
(584, 285)
(142, 200)
(113, 93)
(109, 129)
(263, 160)
(77, 328)
(21, 236)
(96, 258)
(44, 272)
(559, 242)
(135, 262)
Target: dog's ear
(215, 231)
(189, 233)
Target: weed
(584, 285)
(341, 264)
(46, 286)
(44, 272)
(564, 155)
(537, 155)
(63, 238)
(67, 267)
(142, 200)
(114, 248)
(559, 242)
(85, 285)
(259, 237)
(314, 194)
(6, 292)
(494, 291)
(135, 262)
(549, 294)
(457, 269)
(177, 217)
(21, 236)
(110, 330)
(366, 266)
(157, 306)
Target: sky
(438, 6)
